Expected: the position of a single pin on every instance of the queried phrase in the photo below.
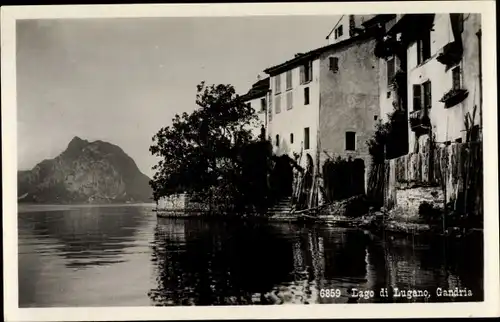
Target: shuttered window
(306, 73)
(334, 64)
(422, 96)
(456, 77)
(417, 97)
(277, 84)
(391, 70)
(262, 104)
(277, 104)
(289, 100)
(426, 87)
(424, 47)
(270, 109)
(289, 80)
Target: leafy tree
(206, 152)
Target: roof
(274, 70)
(259, 89)
(378, 19)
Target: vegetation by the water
(211, 153)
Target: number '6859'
(329, 292)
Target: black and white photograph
(325, 155)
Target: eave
(314, 54)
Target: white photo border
(489, 307)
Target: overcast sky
(121, 80)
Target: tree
(205, 152)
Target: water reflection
(84, 235)
(81, 256)
(125, 256)
(207, 263)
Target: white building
(258, 97)
(347, 26)
(441, 64)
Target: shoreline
(365, 222)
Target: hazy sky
(121, 80)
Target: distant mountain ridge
(86, 172)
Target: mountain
(86, 172)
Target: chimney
(352, 26)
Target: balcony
(389, 46)
(451, 54)
(419, 121)
(454, 97)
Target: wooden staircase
(281, 208)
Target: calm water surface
(125, 256)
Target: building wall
(344, 22)
(447, 123)
(261, 115)
(349, 100)
(300, 116)
(387, 94)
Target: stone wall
(180, 202)
(435, 175)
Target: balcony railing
(419, 121)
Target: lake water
(73, 256)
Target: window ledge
(426, 61)
(306, 82)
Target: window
(456, 77)
(277, 84)
(289, 80)
(375, 117)
(306, 73)
(427, 94)
(262, 104)
(424, 47)
(277, 108)
(422, 96)
(306, 96)
(350, 141)
(277, 140)
(291, 138)
(391, 69)
(306, 138)
(334, 64)
(339, 31)
(417, 97)
(289, 100)
(270, 112)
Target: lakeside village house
(326, 103)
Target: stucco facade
(447, 122)
(287, 122)
(258, 98)
(259, 105)
(349, 99)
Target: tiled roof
(259, 89)
(316, 52)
